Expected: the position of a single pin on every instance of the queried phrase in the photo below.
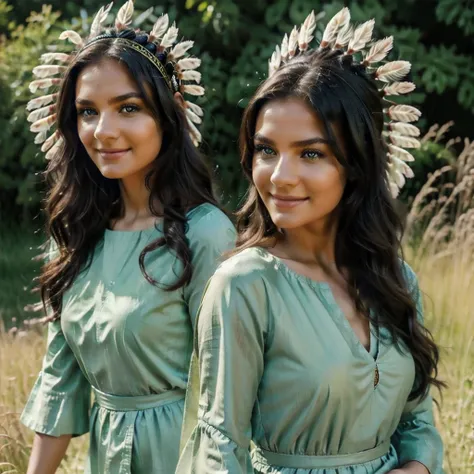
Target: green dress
(129, 343)
(281, 368)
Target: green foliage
(235, 39)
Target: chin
(111, 173)
(287, 221)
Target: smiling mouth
(112, 154)
(287, 201)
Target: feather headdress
(161, 47)
(357, 42)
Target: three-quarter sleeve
(231, 334)
(210, 236)
(416, 437)
(60, 400)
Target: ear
(179, 99)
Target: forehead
(106, 78)
(290, 118)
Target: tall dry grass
(21, 353)
(439, 244)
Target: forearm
(415, 467)
(411, 467)
(47, 453)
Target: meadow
(439, 244)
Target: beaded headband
(339, 34)
(176, 67)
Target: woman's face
(294, 170)
(115, 126)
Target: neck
(312, 243)
(135, 197)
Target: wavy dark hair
(81, 202)
(368, 240)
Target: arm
(231, 333)
(209, 238)
(47, 453)
(59, 403)
(416, 440)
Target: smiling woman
(135, 233)
(310, 340)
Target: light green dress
(130, 342)
(280, 366)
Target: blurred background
(234, 39)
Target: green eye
(86, 112)
(264, 150)
(130, 109)
(312, 154)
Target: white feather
(48, 70)
(398, 88)
(188, 63)
(379, 50)
(393, 71)
(344, 36)
(41, 101)
(48, 58)
(284, 48)
(193, 90)
(404, 113)
(43, 124)
(403, 141)
(191, 76)
(124, 15)
(195, 134)
(406, 129)
(41, 113)
(339, 21)
(54, 149)
(41, 137)
(293, 42)
(400, 153)
(99, 19)
(180, 49)
(193, 117)
(170, 37)
(73, 37)
(44, 84)
(159, 28)
(275, 61)
(362, 35)
(50, 141)
(195, 108)
(305, 36)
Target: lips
(112, 153)
(287, 201)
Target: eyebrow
(298, 144)
(120, 98)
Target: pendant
(376, 376)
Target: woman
(137, 234)
(310, 342)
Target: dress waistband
(298, 461)
(137, 403)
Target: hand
(413, 467)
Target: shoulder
(248, 268)
(208, 222)
(409, 275)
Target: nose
(107, 128)
(286, 172)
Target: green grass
(18, 247)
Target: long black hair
(368, 240)
(81, 202)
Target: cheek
(261, 174)
(85, 132)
